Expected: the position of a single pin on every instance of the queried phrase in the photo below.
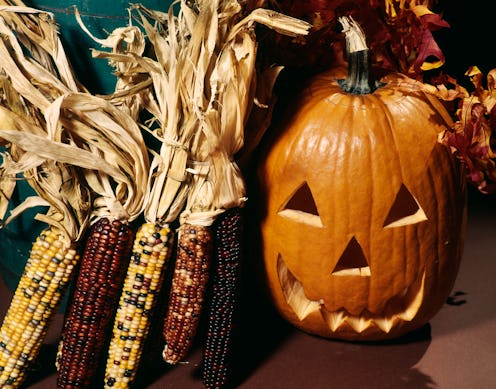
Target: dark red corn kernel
(224, 296)
(187, 292)
(96, 293)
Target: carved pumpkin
(364, 210)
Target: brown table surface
(456, 350)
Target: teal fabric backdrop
(100, 17)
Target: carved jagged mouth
(402, 308)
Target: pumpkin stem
(360, 79)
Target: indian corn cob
(109, 241)
(151, 252)
(53, 256)
(191, 273)
(224, 296)
(37, 297)
(195, 241)
(96, 291)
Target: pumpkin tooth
(333, 319)
(358, 323)
(384, 324)
(355, 271)
(412, 309)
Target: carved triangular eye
(301, 207)
(405, 210)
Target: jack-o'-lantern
(364, 217)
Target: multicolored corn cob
(151, 252)
(225, 289)
(96, 292)
(191, 273)
(37, 297)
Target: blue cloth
(17, 238)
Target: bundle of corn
(102, 129)
(154, 239)
(34, 72)
(106, 142)
(190, 81)
(98, 132)
(117, 172)
(227, 84)
(171, 68)
(113, 137)
(216, 88)
(233, 87)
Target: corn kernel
(134, 298)
(34, 302)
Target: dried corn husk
(125, 43)
(224, 94)
(202, 75)
(49, 71)
(217, 90)
(104, 141)
(156, 83)
(72, 122)
(68, 114)
(34, 72)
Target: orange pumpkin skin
(377, 254)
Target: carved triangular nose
(353, 261)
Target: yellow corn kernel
(34, 305)
(151, 251)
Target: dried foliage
(399, 33)
(473, 136)
(400, 36)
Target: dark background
(470, 40)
